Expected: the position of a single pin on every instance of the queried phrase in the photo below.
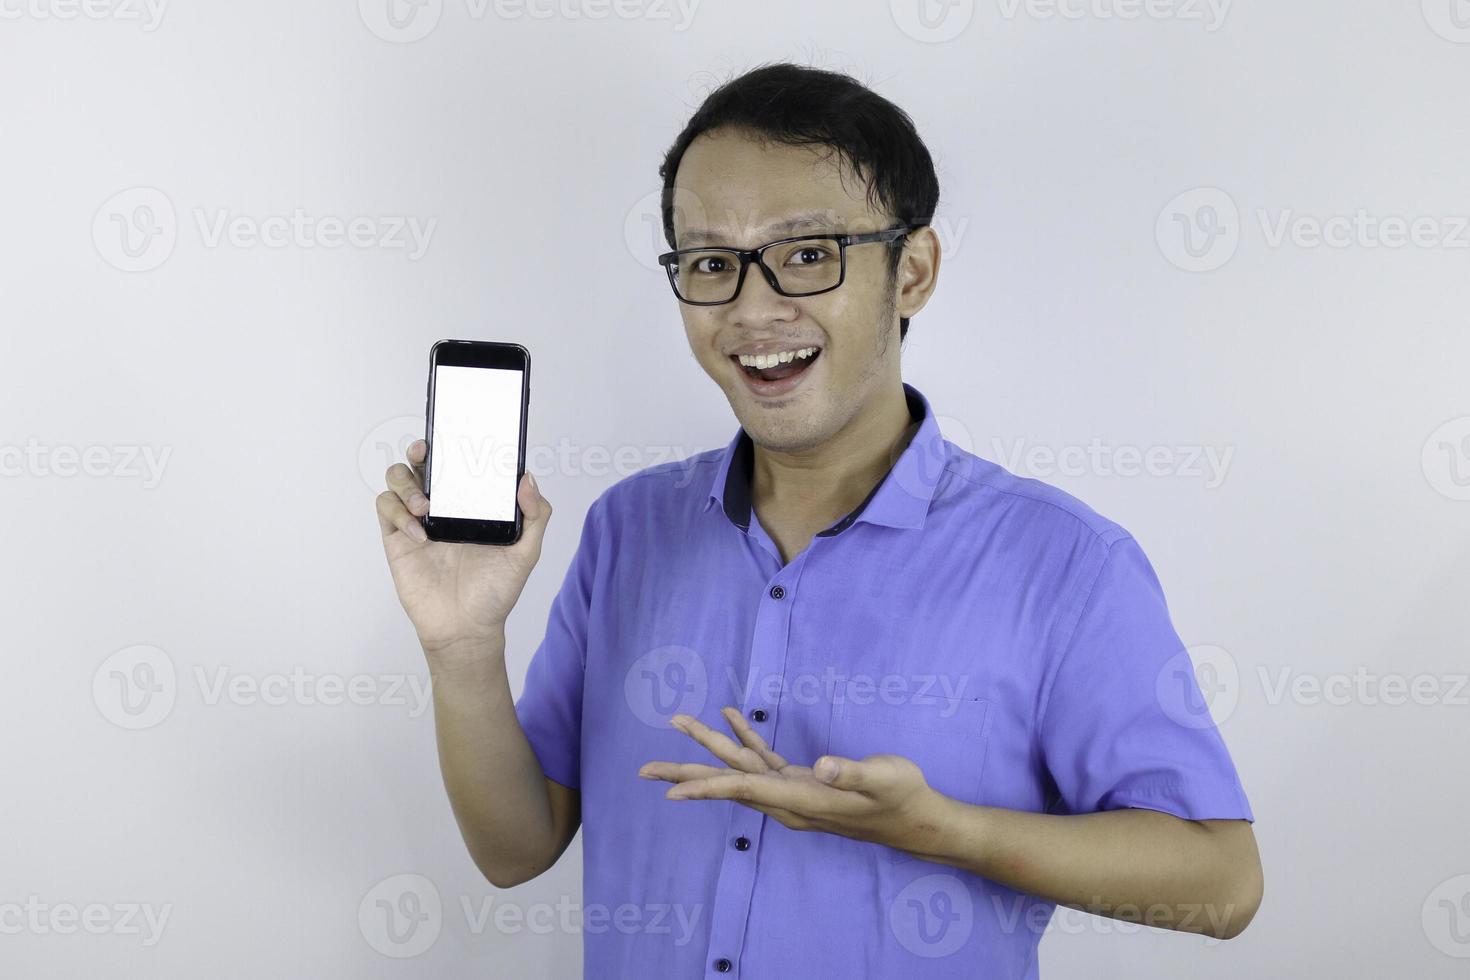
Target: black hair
(802, 106)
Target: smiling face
(733, 190)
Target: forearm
(1133, 864)
(495, 784)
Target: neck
(823, 484)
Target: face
(735, 191)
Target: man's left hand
(882, 798)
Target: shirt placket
(768, 661)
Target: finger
(418, 451)
(535, 513)
(752, 738)
(678, 772)
(405, 483)
(751, 788)
(394, 517)
(787, 817)
(870, 776)
(790, 819)
(724, 748)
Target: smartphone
(475, 425)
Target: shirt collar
(901, 498)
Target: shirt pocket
(945, 737)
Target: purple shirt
(993, 629)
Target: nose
(758, 302)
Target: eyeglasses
(804, 266)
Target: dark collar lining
(737, 477)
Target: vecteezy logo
(665, 682)
(932, 916)
(1450, 19)
(135, 687)
(643, 225)
(1199, 230)
(387, 444)
(923, 477)
(135, 230)
(1446, 459)
(957, 433)
(932, 21)
(1199, 687)
(1446, 917)
(401, 21)
(401, 916)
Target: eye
(808, 255)
(712, 264)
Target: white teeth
(771, 360)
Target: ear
(918, 270)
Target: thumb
(535, 509)
(840, 773)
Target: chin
(787, 435)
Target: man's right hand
(456, 595)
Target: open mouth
(771, 367)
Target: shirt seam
(674, 464)
(953, 467)
(597, 523)
(1179, 792)
(1044, 703)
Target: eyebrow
(820, 220)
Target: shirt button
(759, 714)
(742, 843)
(723, 965)
(777, 592)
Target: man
(890, 703)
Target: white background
(271, 383)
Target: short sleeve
(550, 705)
(1124, 723)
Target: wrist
(937, 826)
(466, 653)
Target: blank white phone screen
(476, 442)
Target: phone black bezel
(482, 354)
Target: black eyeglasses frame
(757, 255)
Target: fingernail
(417, 532)
(825, 770)
(531, 478)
